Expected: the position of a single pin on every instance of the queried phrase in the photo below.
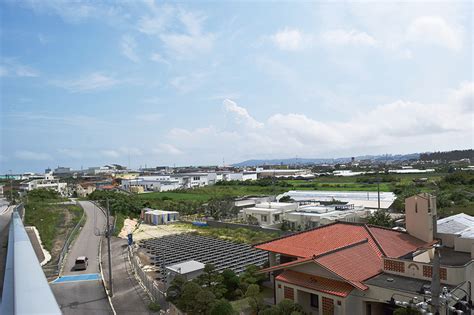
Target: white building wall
(249, 176)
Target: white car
(81, 263)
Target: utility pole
(378, 193)
(11, 186)
(435, 281)
(108, 247)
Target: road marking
(85, 277)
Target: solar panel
(172, 249)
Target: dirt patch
(146, 231)
(128, 227)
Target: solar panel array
(173, 249)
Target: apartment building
(353, 268)
(46, 183)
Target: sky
(88, 83)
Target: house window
(277, 217)
(196, 178)
(264, 218)
(314, 300)
(289, 293)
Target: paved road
(78, 295)
(129, 297)
(5, 218)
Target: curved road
(82, 292)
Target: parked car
(81, 263)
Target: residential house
(354, 268)
(269, 214)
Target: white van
(81, 263)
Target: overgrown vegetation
(53, 220)
(211, 292)
(240, 235)
(381, 218)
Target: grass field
(205, 194)
(53, 221)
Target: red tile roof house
(350, 268)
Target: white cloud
(32, 156)
(75, 154)
(110, 153)
(180, 31)
(87, 83)
(166, 148)
(149, 117)
(10, 67)
(156, 57)
(156, 20)
(436, 31)
(290, 39)
(188, 83)
(187, 46)
(129, 46)
(394, 126)
(241, 114)
(348, 37)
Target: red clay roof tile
(316, 283)
(352, 251)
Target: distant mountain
(455, 155)
(316, 161)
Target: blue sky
(86, 83)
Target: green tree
(406, 311)
(221, 207)
(204, 302)
(222, 307)
(187, 300)
(211, 279)
(273, 310)
(287, 306)
(175, 289)
(231, 282)
(254, 298)
(251, 276)
(381, 218)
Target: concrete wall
(463, 244)
(454, 275)
(302, 297)
(313, 269)
(420, 214)
(447, 239)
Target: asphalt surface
(5, 218)
(129, 297)
(84, 296)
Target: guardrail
(25, 289)
(55, 269)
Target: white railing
(25, 290)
